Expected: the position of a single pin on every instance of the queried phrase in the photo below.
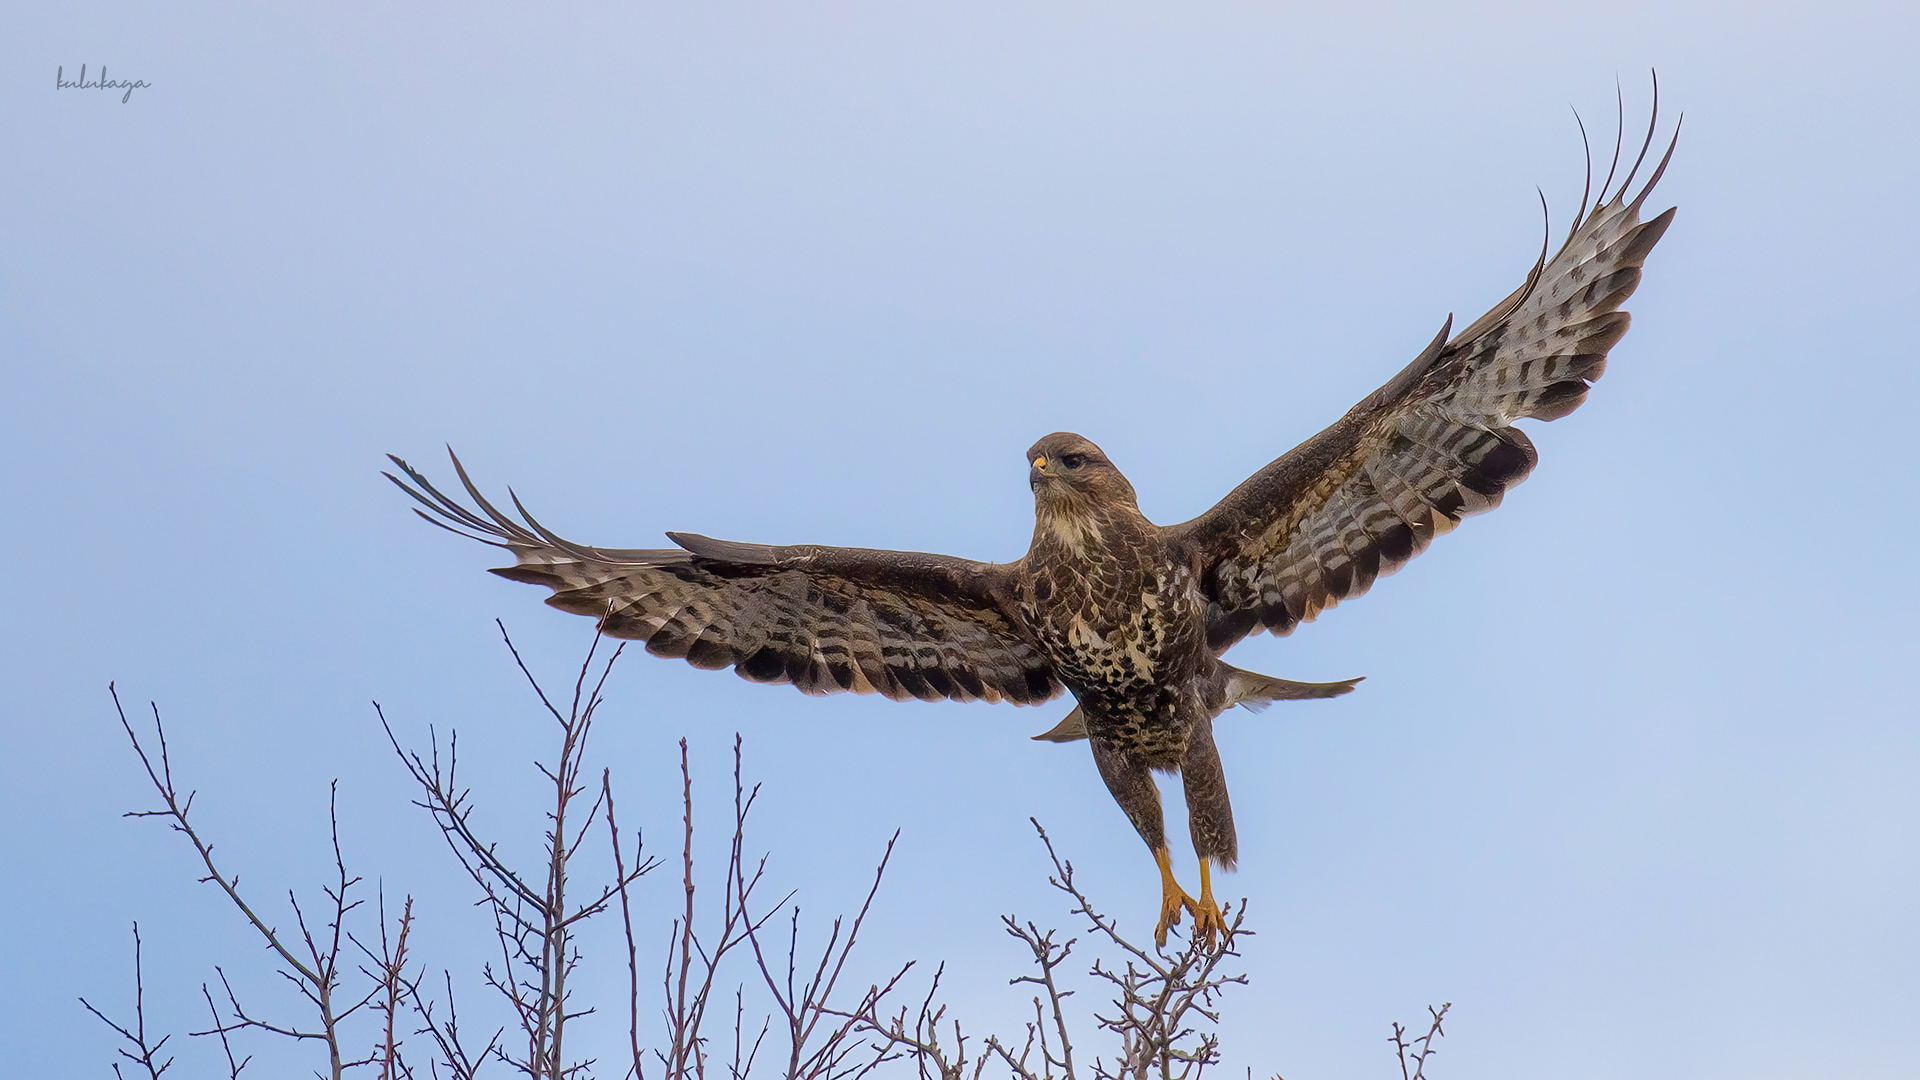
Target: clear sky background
(1631, 781)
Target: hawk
(1129, 616)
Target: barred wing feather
(825, 619)
(1433, 445)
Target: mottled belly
(1151, 725)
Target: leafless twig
(234, 1065)
(693, 966)
(315, 970)
(1163, 1010)
(814, 1052)
(393, 991)
(1404, 1046)
(534, 925)
(1159, 998)
(138, 1036)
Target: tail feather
(1253, 691)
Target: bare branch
(148, 1053)
(316, 976)
(1161, 1012)
(1413, 1063)
(390, 988)
(461, 1062)
(534, 924)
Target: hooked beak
(1038, 472)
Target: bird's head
(1068, 472)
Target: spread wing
(826, 619)
(1435, 444)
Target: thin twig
(316, 977)
(138, 1036)
(1413, 1063)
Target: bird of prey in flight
(1129, 616)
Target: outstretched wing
(826, 619)
(1435, 444)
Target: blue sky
(1631, 778)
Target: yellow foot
(1171, 904)
(1208, 922)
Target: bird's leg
(1131, 783)
(1210, 818)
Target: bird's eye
(1073, 461)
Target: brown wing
(1435, 444)
(825, 619)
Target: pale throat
(1075, 530)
